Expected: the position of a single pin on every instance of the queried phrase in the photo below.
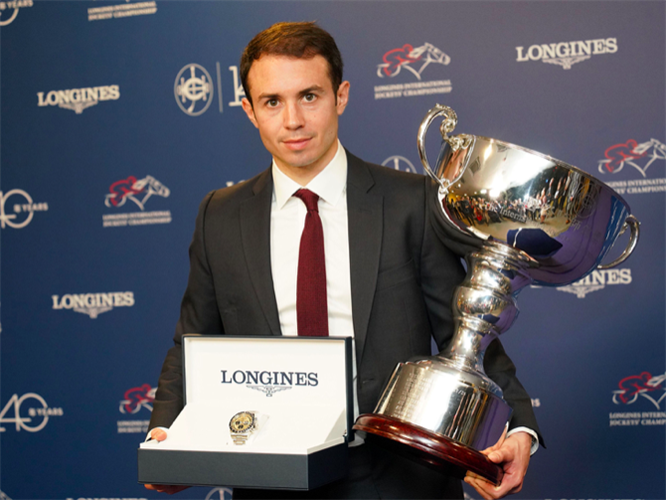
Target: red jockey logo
(129, 189)
(407, 55)
(629, 152)
(121, 189)
(644, 385)
(137, 398)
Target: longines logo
(638, 156)
(93, 304)
(78, 99)
(269, 382)
(138, 191)
(597, 280)
(9, 10)
(32, 405)
(121, 10)
(135, 400)
(413, 60)
(21, 205)
(644, 388)
(399, 163)
(566, 54)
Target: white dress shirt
(287, 222)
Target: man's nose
(293, 116)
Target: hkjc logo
(9, 10)
(37, 409)
(78, 99)
(399, 163)
(566, 54)
(644, 385)
(93, 304)
(137, 398)
(22, 205)
(597, 280)
(194, 92)
(138, 191)
(194, 89)
(415, 61)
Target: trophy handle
(634, 225)
(449, 123)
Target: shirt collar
(329, 184)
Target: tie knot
(309, 198)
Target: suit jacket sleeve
(198, 314)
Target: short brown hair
(300, 40)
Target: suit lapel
(255, 221)
(365, 221)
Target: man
(388, 279)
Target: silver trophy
(525, 218)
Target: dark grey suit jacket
(402, 282)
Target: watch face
(241, 422)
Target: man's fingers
(513, 456)
(472, 475)
(498, 456)
(490, 492)
(158, 434)
(481, 486)
(165, 488)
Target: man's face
(296, 111)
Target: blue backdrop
(117, 117)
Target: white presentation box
(301, 391)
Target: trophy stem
(484, 305)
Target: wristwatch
(241, 425)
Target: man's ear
(342, 97)
(249, 111)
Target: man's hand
(161, 435)
(513, 455)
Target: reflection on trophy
(532, 219)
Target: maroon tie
(311, 307)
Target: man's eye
(271, 103)
(309, 97)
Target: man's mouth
(296, 144)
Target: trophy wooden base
(433, 450)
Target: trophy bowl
(522, 217)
